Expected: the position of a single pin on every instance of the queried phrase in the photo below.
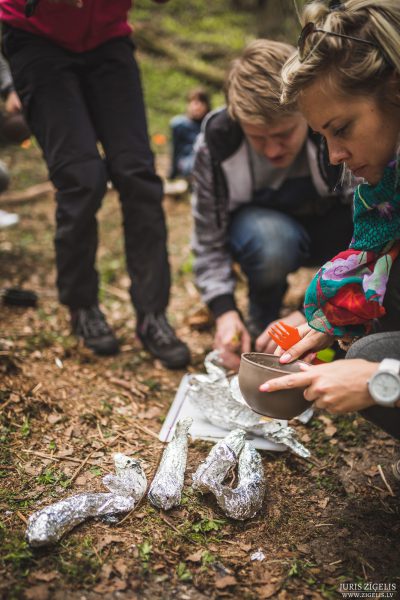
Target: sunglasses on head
(311, 28)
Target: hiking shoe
(158, 337)
(90, 325)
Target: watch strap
(390, 364)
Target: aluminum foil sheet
(166, 488)
(223, 405)
(244, 501)
(222, 457)
(127, 487)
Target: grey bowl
(255, 369)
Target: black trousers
(72, 101)
(375, 348)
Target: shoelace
(160, 329)
(93, 323)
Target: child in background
(185, 129)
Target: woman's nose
(338, 154)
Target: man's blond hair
(253, 85)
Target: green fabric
(377, 212)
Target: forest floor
(64, 412)
(326, 522)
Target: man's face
(280, 141)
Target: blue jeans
(269, 245)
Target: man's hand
(266, 344)
(338, 387)
(13, 103)
(231, 339)
(311, 342)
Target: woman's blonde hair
(253, 84)
(352, 67)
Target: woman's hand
(338, 387)
(266, 344)
(231, 339)
(311, 342)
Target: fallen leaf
(323, 503)
(54, 418)
(42, 576)
(114, 585)
(107, 540)
(121, 567)
(38, 592)
(81, 480)
(196, 556)
(224, 582)
(151, 413)
(267, 591)
(245, 547)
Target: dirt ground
(64, 412)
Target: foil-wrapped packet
(222, 404)
(127, 487)
(222, 457)
(245, 500)
(166, 488)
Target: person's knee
(266, 248)
(80, 190)
(133, 172)
(376, 347)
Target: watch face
(385, 387)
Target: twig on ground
(31, 193)
(21, 516)
(144, 430)
(127, 386)
(385, 481)
(79, 469)
(53, 457)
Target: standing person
(265, 196)
(13, 130)
(346, 80)
(185, 129)
(73, 68)
(13, 127)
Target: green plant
(183, 572)
(145, 551)
(207, 525)
(25, 428)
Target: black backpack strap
(223, 137)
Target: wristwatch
(384, 385)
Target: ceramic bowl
(255, 369)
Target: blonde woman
(345, 78)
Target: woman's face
(357, 130)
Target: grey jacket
(225, 179)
